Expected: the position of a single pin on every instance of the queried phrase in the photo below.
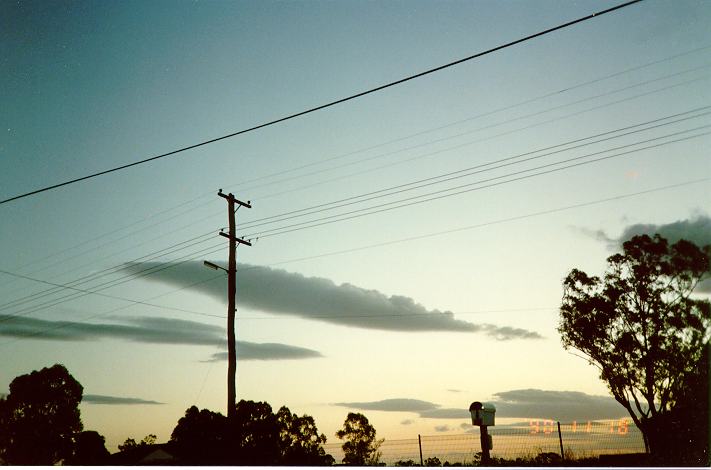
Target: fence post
(419, 441)
(560, 438)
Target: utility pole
(231, 304)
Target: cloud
(564, 406)
(109, 400)
(696, 230)
(424, 409)
(281, 292)
(148, 330)
(556, 405)
(392, 404)
(138, 329)
(267, 352)
(443, 428)
(407, 422)
(598, 235)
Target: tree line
(40, 424)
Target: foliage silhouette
(641, 326)
(255, 433)
(257, 436)
(40, 419)
(130, 443)
(361, 447)
(299, 440)
(406, 463)
(90, 449)
(200, 438)
(688, 422)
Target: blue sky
(446, 301)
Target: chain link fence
(528, 441)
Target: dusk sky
(409, 246)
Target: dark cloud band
(247, 351)
(149, 330)
(281, 292)
(109, 400)
(696, 230)
(393, 404)
(529, 403)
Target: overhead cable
(327, 105)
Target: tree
(406, 463)
(90, 449)
(688, 422)
(641, 326)
(255, 434)
(130, 443)
(299, 440)
(40, 419)
(200, 438)
(361, 447)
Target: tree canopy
(40, 419)
(200, 437)
(256, 436)
(299, 440)
(361, 446)
(641, 325)
(90, 449)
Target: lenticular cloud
(286, 293)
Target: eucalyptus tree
(643, 326)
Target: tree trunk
(656, 435)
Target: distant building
(145, 455)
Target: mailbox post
(483, 416)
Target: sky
(408, 247)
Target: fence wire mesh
(524, 440)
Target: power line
(153, 216)
(91, 317)
(437, 194)
(330, 104)
(420, 156)
(497, 124)
(108, 271)
(501, 134)
(396, 189)
(398, 151)
(152, 269)
(378, 208)
(108, 296)
(495, 222)
(392, 242)
(113, 283)
(471, 118)
(361, 212)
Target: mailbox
(482, 413)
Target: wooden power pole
(231, 304)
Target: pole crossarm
(230, 197)
(236, 239)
